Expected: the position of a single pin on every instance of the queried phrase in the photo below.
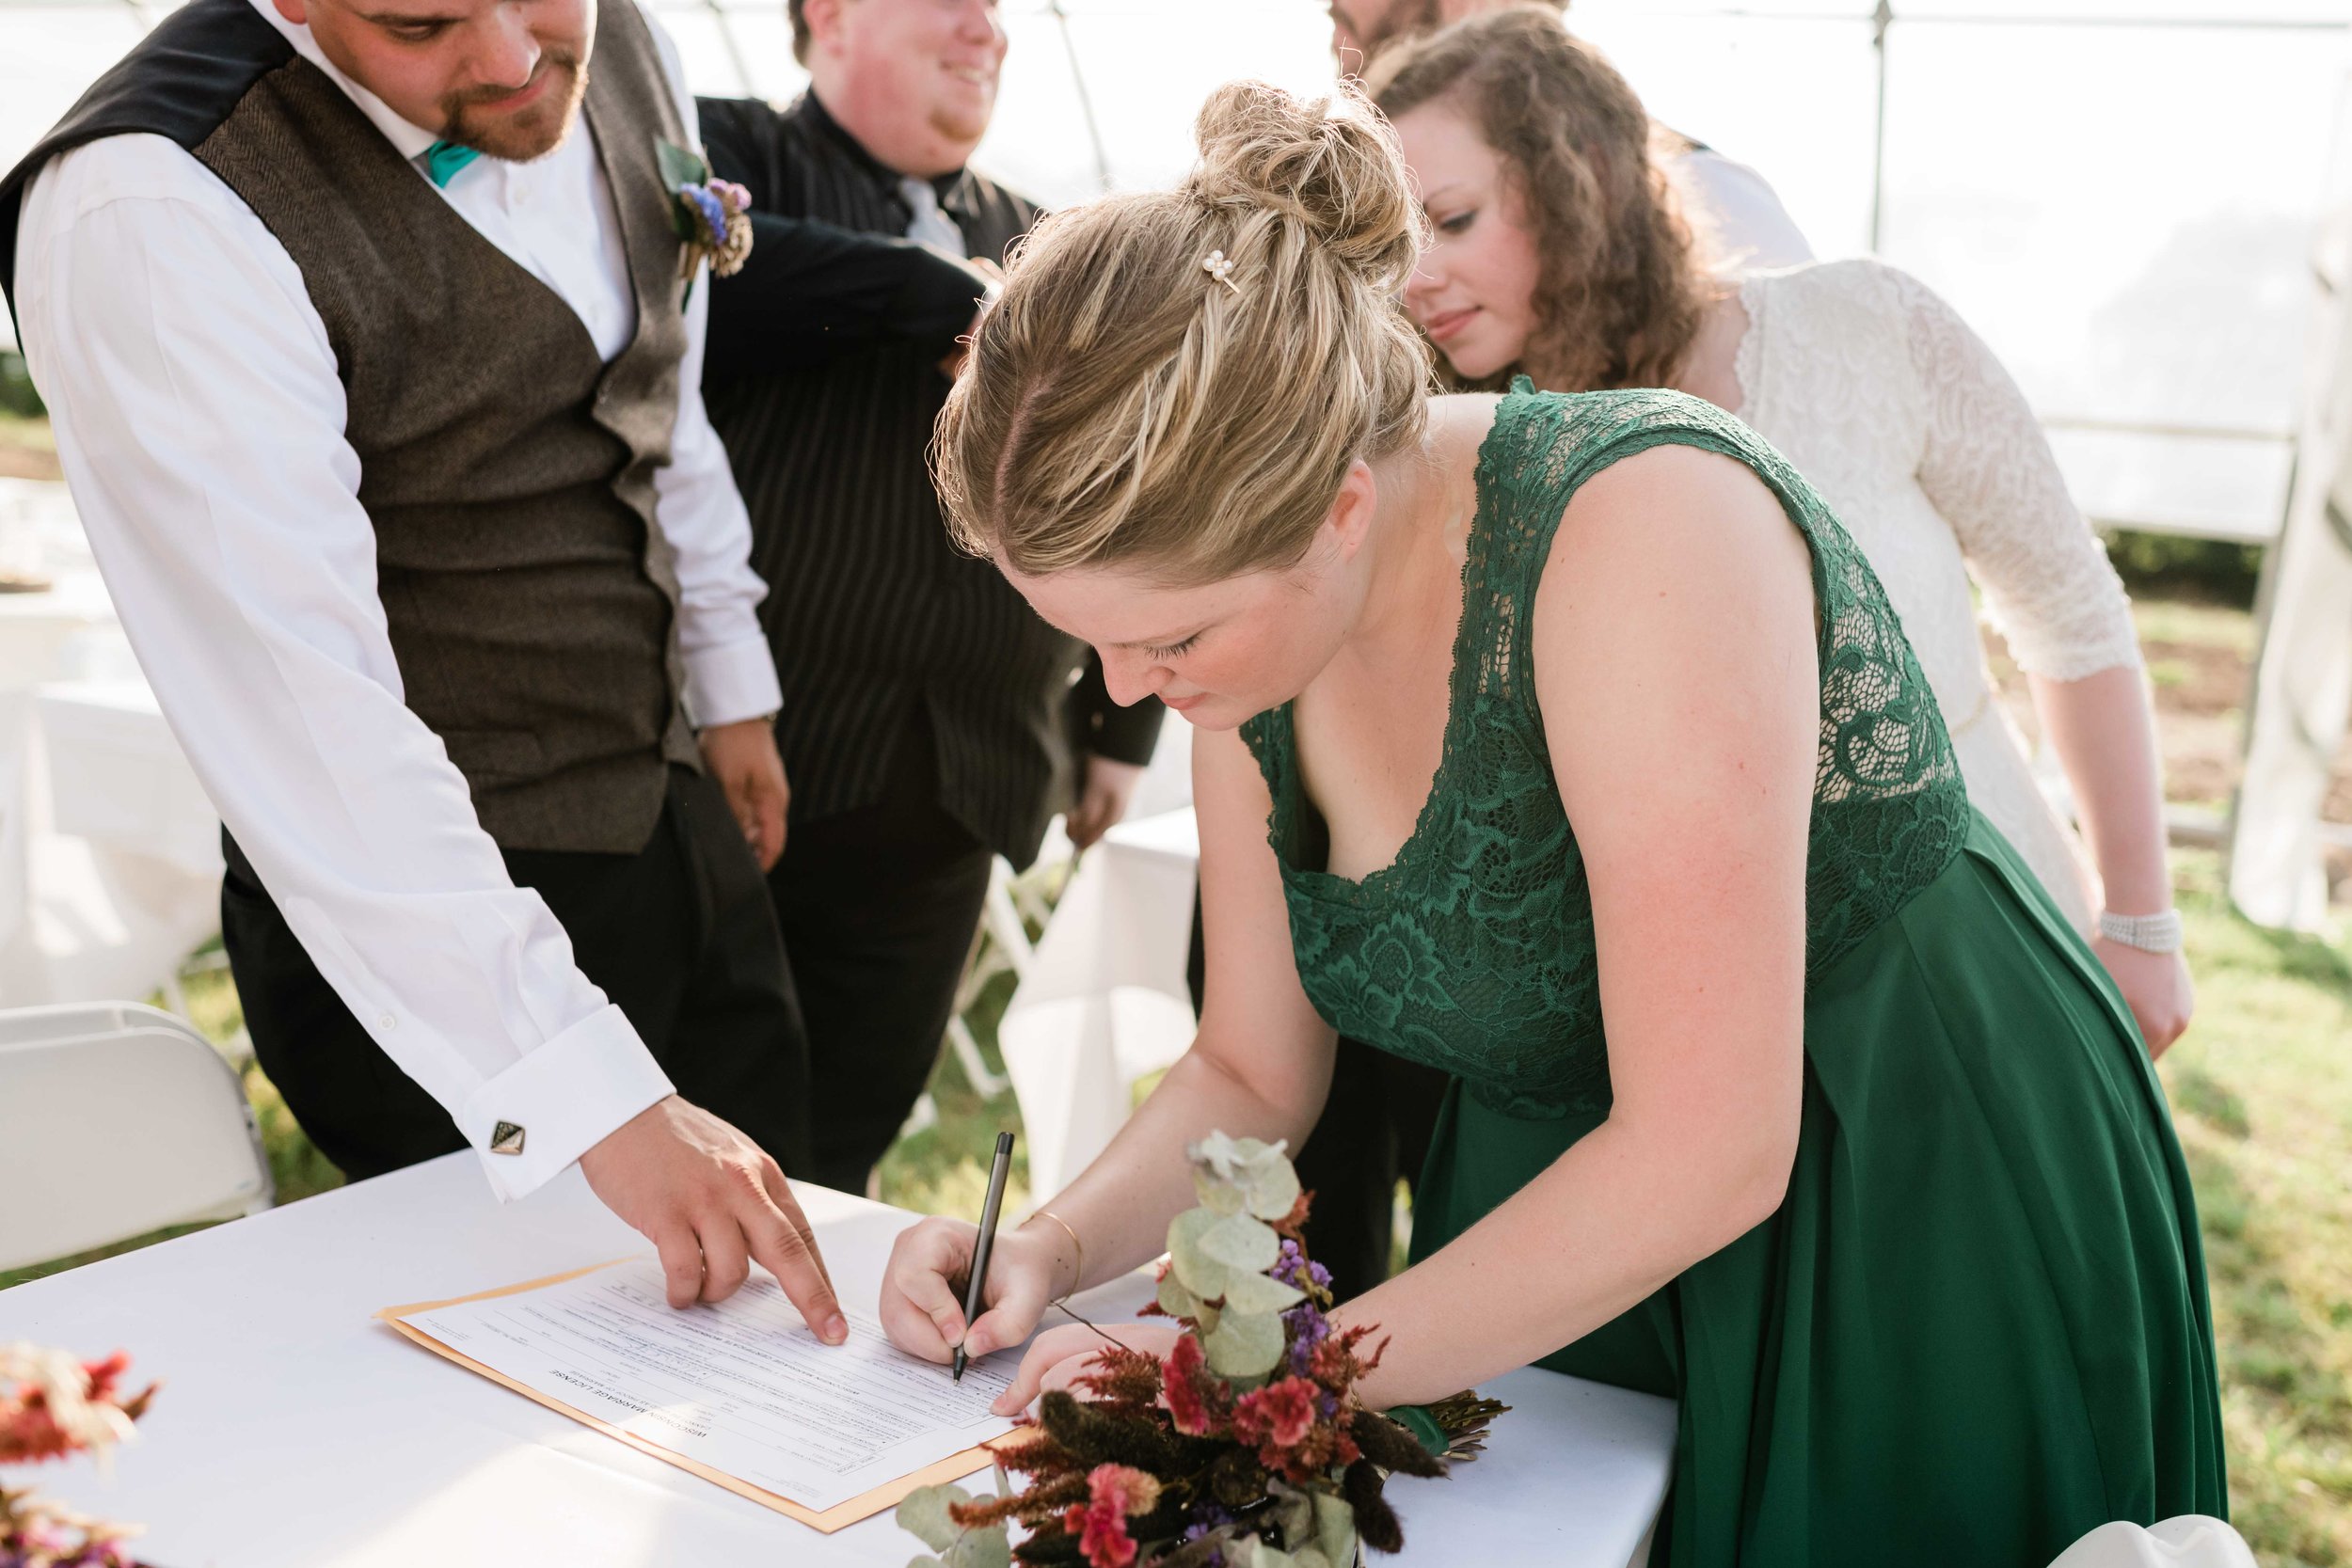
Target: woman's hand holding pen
(922, 1292)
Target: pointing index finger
(783, 1246)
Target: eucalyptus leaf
(1244, 1345)
(1241, 1242)
(1252, 1552)
(1201, 1274)
(924, 1562)
(1208, 1317)
(1293, 1512)
(1250, 1154)
(1217, 1194)
(991, 1547)
(1258, 1293)
(923, 1514)
(1270, 1188)
(1176, 1300)
(1219, 1153)
(1335, 1528)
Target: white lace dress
(1923, 446)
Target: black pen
(989, 1211)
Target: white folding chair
(116, 1120)
(1000, 943)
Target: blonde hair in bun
(1130, 401)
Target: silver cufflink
(506, 1138)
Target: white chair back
(2184, 1541)
(116, 1120)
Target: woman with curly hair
(1742, 212)
(1559, 253)
(1568, 745)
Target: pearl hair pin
(1220, 266)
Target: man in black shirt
(929, 715)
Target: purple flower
(1293, 1269)
(1308, 1329)
(1206, 1517)
(709, 208)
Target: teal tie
(443, 159)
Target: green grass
(2197, 623)
(943, 1169)
(32, 434)
(2262, 1093)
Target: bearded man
(372, 344)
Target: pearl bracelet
(2150, 933)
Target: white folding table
(294, 1432)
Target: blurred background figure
(1737, 213)
(1558, 253)
(931, 721)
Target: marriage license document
(739, 1388)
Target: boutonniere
(710, 215)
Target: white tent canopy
(2120, 195)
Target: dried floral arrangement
(52, 1406)
(1244, 1448)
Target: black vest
(507, 469)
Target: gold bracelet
(1078, 1278)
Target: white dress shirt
(199, 420)
(1740, 212)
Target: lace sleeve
(1985, 464)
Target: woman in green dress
(1536, 743)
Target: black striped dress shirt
(877, 621)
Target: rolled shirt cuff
(732, 682)
(560, 1100)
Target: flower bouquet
(1246, 1447)
(52, 1406)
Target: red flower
(1336, 1362)
(1190, 1404)
(1280, 1414)
(1114, 1492)
(52, 1406)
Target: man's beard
(533, 133)
(1404, 19)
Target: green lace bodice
(1473, 950)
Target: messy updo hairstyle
(1621, 286)
(1177, 381)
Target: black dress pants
(679, 936)
(1374, 1130)
(878, 906)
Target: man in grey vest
(372, 350)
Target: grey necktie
(931, 225)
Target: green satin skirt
(1977, 1327)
